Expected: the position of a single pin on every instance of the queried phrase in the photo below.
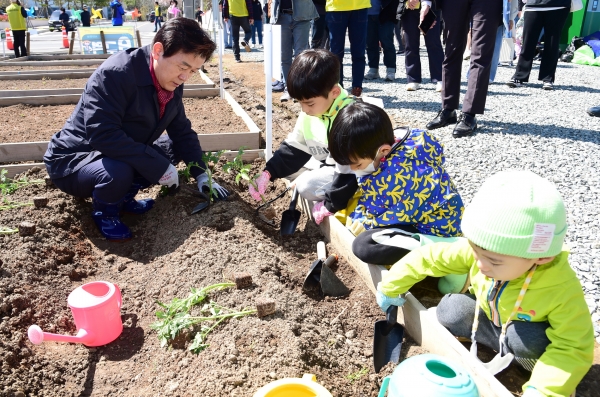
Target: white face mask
(368, 170)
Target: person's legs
(398, 34)
(553, 24)
(318, 32)
(412, 37)
(19, 43)
(456, 27)
(386, 36)
(373, 42)
(435, 51)
(497, 49)
(301, 33)
(259, 31)
(287, 44)
(155, 24)
(245, 24)
(337, 23)
(357, 35)
(385, 246)
(235, 34)
(253, 37)
(532, 26)
(527, 341)
(486, 16)
(312, 184)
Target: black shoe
(514, 83)
(594, 111)
(238, 60)
(443, 118)
(465, 127)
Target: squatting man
(113, 144)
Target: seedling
(9, 205)
(8, 230)
(243, 170)
(210, 157)
(357, 375)
(9, 186)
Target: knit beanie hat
(517, 213)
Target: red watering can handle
(120, 297)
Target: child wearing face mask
(402, 178)
(525, 301)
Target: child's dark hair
(358, 131)
(313, 74)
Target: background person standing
(18, 25)
(257, 27)
(85, 17)
(241, 15)
(380, 30)
(157, 16)
(118, 12)
(199, 14)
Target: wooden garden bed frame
(420, 323)
(41, 74)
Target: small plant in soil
(175, 317)
(8, 230)
(358, 374)
(9, 186)
(210, 157)
(237, 165)
(9, 205)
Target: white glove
(170, 177)
(202, 179)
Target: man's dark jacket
(117, 117)
(85, 18)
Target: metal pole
(103, 41)
(139, 37)
(28, 44)
(268, 60)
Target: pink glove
(320, 212)
(261, 182)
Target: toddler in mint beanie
(517, 213)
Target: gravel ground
(547, 132)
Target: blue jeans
(294, 40)
(157, 23)
(257, 28)
(227, 39)
(496, 56)
(356, 23)
(380, 32)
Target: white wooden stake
(268, 56)
(221, 47)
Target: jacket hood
(422, 146)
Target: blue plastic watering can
(428, 375)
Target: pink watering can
(96, 309)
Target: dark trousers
(236, 23)
(355, 22)
(412, 37)
(157, 23)
(320, 33)
(526, 340)
(485, 16)
(380, 32)
(398, 34)
(552, 22)
(19, 43)
(110, 179)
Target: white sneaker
(390, 74)
(467, 55)
(285, 96)
(438, 86)
(372, 74)
(412, 86)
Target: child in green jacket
(525, 301)
(313, 81)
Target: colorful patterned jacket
(411, 187)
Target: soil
(172, 251)
(39, 123)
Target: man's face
(175, 70)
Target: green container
(591, 21)
(573, 25)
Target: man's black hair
(185, 35)
(313, 74)
(358, 131)
(62, 9)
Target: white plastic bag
(576, 5)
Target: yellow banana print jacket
(411, 187)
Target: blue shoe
(132, 206)
(279, 87)
(107, 219)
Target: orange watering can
(96, 309)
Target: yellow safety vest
(17, 22)
(237, 8)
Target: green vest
(17, 22)
(237, 8)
